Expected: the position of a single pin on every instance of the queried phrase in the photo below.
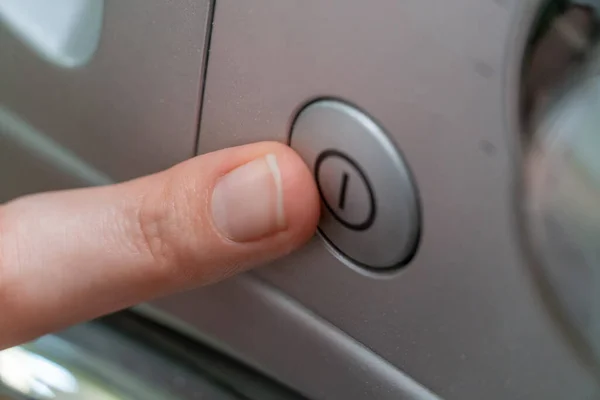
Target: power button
(353, 203)
(370, 212)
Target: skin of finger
(70, 256)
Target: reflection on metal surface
(66, 32)
(562, 184)
(23, 372)
(33, 375)
(41, 145)
(52, 369)
(125, 357)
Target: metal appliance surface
(464, 319)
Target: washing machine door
(562, 203)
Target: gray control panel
(370, 214)
(420, 160)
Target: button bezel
(411, 202)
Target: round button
(345, 190)
(370, 214)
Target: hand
(70, 256)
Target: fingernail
(247, 203)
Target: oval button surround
(370, 211)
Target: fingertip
(301, 197)
(240, 206)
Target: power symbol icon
(345, 190)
